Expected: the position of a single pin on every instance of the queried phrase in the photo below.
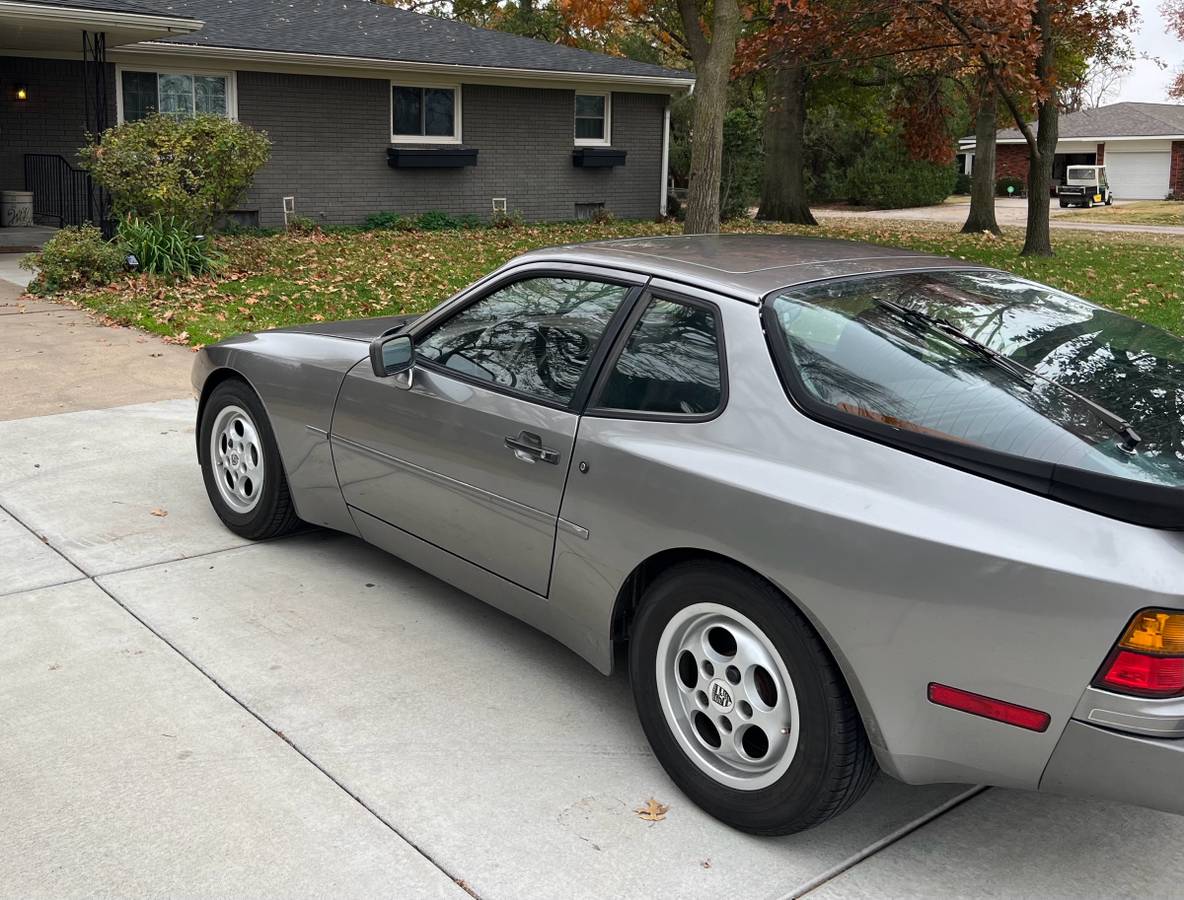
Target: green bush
(302, 225)
(434, 220)
(190, 169)
(74, 257)
(167, 247)
(962, 183)
(390, 221)
(506, 219)
(886, 177)
(1002, 184)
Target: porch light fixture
(22, 93)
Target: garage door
(1138, 176)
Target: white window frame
(454, 138)
(231, 85)
(605, 141)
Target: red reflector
(978, 705)
(1161, 675)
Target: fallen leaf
(161, 513)
(653, 811)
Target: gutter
(366, 62)
(1062, 139)
(90, 18)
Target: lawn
(1141, 212)
(285, 279)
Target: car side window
(534, 336)
(670, 364)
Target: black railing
(61, 193)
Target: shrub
(167, 247)
(506, 219)
(302, 225)
(390, 221)
(434, 220)
(1002, 184)
(74, 257)
(886, 177)
(189, 169)
(602, 216)
(962, 183)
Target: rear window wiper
(1130, 437)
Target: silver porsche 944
(843, 508)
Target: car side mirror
(392, 354)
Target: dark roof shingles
(1116, 120)
(358, 28)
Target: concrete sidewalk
(55, 358)
(187, 714)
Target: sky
(1147, 82)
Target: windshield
(853, 353)
(1082, 173)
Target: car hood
(353, 329)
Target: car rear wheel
(240, 464)
(742, 703)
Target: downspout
(665, 158)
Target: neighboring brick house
(369, 108)
(1141, 145)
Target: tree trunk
(713, 63)
(1037, 240)
(783, 184)
(982, 179)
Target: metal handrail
(62, 192)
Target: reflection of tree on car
(1083, 357)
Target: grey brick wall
(330, 137)
(52, 120)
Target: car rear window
(1080, 174)
(854, 355)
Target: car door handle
(528, 447)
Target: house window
(425, 114)
(592, 119)
(142, 93)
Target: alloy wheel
(236, 454)
(727, 696)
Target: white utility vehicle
(1085, 186)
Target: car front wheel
(240, 464)
(742, 703)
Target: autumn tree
(708, 30)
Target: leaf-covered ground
(285, 279)
(1146, 212)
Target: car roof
(747, 266)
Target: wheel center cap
(234, 459)
(721, 696)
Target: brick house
(369, 108)
(1141, 145)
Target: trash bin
(16, 209)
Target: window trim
(595, 410)
(1139, 503)
(634, 290)
(230, 76)
(457, 133)
(605, 141)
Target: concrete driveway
(1008, 212)
(184, 714)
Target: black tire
(273, 513)
(1064, 205)
(833, 765)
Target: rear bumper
(1095, 762)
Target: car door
(473, 457)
